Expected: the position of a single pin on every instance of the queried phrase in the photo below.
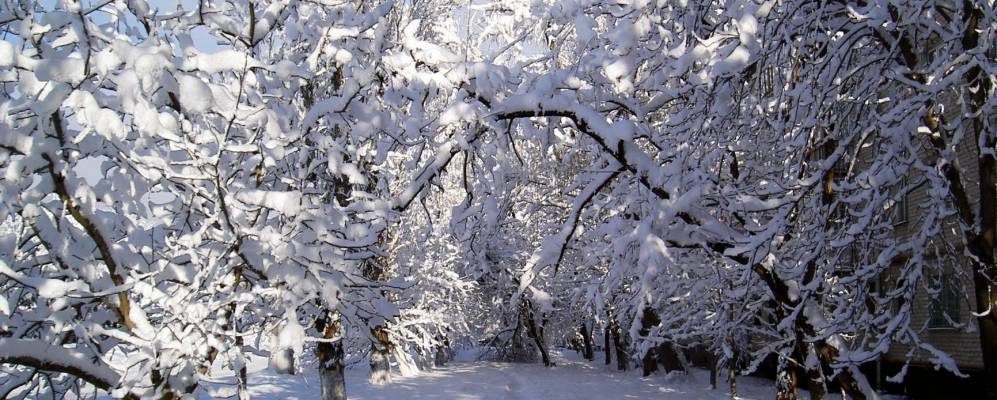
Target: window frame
(944, 309)
(901, 213)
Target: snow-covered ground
(467, 379)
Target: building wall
(962, 343)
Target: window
(944, 308)
(900, 207)
(848, 261)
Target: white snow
(6, 54)
(572, 378)
(195, 95)
(224, 60)
(288, 203)
(62, 357)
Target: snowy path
(573, 378)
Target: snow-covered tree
(183, 187)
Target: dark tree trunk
(441, 358)
(380, 363)
(621, 351)
(712, 359)
(648, 363)
(443, 353)
(606, 347)
(536, 333)
(330, 361)
(670, 358)
(815, 376)
(587, 343)
(816, 385)
(847, 378)
(544, 355)
(648, 320)
(786, 380)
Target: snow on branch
(44, 356)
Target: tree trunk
(443, 353)
(587, 343)
(815, 376)
(786, 380)
(732, 378)
(380, 361)
(712, 359)
(536, 334)
(544, 355)
(441, 358)
(851, 380)
(242, 382)
(670, 358)
(534, 331)
(380, 365)
(648, 320)
(242, 377)
(330, 360)
(606, 347)
(621, 351)
(648, 363)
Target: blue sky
(202, 37)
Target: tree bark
(606, 347)
(587, 343)
(786, 380)
(535, 332)
(815, 376)
(621, 351)
(669, 357)
(648, 320)
(648, 363)
(441, 358)
(380, 364)
(443, 352)
(713, 369)
(732, 379)
(241, 376)
(330, 359)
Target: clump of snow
(104, 121)
(105, 61)
(224, 60)
(288, 345)
(288, 203)
(195, 95)
(7, 54)
(63, 69)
